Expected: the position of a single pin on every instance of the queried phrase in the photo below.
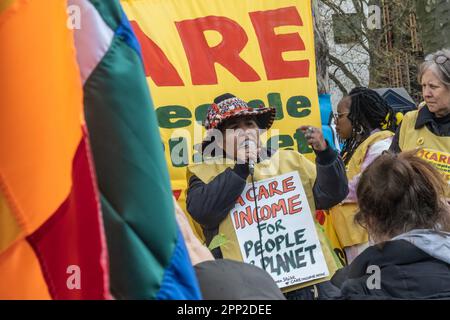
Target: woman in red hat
(238, 158)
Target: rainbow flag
(147, 255)
(51, 233)
(72, 228)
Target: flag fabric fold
(148, 258)
(86, 207)
(51, 233)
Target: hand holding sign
(314, 137)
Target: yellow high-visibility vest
(433, 148)
(283, 161)
(349, 232)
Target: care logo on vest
(290, 247)
(440, 160)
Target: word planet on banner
(290, 245)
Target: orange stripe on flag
(41, 98)
(20, 259)
(48, 196)
(10, 230)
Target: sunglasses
(443, 61)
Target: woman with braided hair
(366, 124)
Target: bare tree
(434, 22)
(322, 52)
(371, 43)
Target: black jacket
(406, 272)
(438, 126)
(209, 204)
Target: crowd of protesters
(386, 193)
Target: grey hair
(442, 73)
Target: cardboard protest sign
(290, 247)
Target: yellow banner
(195, 50)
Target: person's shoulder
(208, 162)
(193, 167)
(381, 145)
(294, 159)
(196, 168)
(412, 115)
(289, 153)
(410, 120)
(209, 168)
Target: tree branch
(338, 63)
(339, 84)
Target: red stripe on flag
(72, 239)
(176, 194)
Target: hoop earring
(361, 130)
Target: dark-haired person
(215, 186)
(402, 206)
(366, 125)
(428, 129)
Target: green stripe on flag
(132, 174)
